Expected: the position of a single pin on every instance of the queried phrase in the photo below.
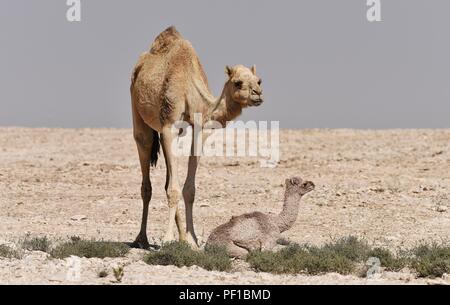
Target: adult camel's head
(244, 86)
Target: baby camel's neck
(288, 215)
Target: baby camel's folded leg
(236, 251)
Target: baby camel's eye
(259, 82)
(238, 84)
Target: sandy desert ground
(391, 187)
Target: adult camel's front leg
(189, 196)
(172, 184)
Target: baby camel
(259, 231)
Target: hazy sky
(322, 63)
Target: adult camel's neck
(221, 109)
(288, 215)
(225, 109)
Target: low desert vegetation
(431, 260)
(339, 256)
(74, 247)
(390, 261)
(8, 252)
(181, 254)
(89, 249)
(36, 244)
(345, 255)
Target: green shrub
(8, 252)
(339, 256)
(215, 258)
(300, 259)
(88, 249)
(350, 247)
(388, 260)
(328, 259)
(36, 244)
(431, 260)
(180, 254)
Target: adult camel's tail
(155, 149)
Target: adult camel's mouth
(256, 101)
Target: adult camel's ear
(229, 71)
(253, 69)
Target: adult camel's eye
(238, 84)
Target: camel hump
(165, 40)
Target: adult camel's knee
(173, 196)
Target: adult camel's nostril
(256, 92)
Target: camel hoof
(141, 242)
(192, 241)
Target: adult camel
(168, 84)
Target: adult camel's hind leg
(181, 233)
(172, 185)
(144, 137)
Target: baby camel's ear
(253, 69)
(295, 181)
(229, 71)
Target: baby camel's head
(297, 185)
